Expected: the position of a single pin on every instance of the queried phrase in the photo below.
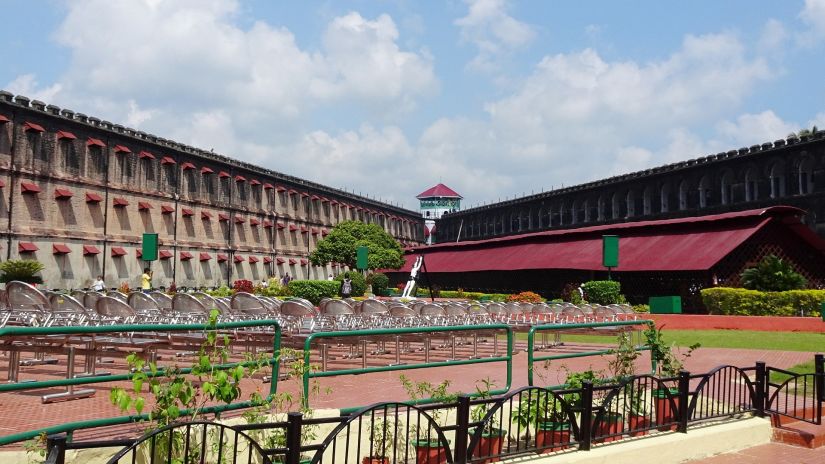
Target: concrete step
(800, 433)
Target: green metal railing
(531, 342)
(508, 358)
(70, 427)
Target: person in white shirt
(98, 285)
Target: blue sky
(494, 98)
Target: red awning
(254, 182)
(26, 247)
(90, 250)
(223, 174)
(223, 217)
(254, 222)
(187, 212)
(167, 160)
(267, 223)
(280, 260)
(314, 231)
(280, 188)
(253, 259)
(60, 249)
(187, 166)
(280, 225)
(185, 256)
(93, 198)
(145, 155)
(62, 193)
(240, 178)
(30, 126)
(427, 231)
(93, 142)
(138, 253)
(315, 198)
(206, 170)
(293, 227)
(239, 219)
(206, 215)
(122, 149)
(324, 232)
(166, 209)
(205, 257)
(164, 254)
(238, 259)
(268, 186)
(2, 183)
(292, 261)
(267, 260)
(120, 202)
(292, 191)
(118, 251)
(324, 200)
(3, 119)
(304, 194)
(29, 187)
(304, 262)
(144, 206)
(65, 135)
(222, 257)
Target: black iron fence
(479, 430)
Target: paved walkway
(771, 453)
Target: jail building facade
(78, 193)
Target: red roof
(65, 135)
(185, 255)
(686, 244)
(29, 187)
(93, 197)
(205, 256)
(122, 149)
(238, 259)
(118, 251)
(206, 170)
(267, 260)
(26, 247)
(93, 142)
(280, 260)
(62, 193)
(164, 254)
(206, 215)
(253, 259)
(166, 209)
(187, 212)
(120, 202)
(60, 249)
(439, 190)
(90, 250)
(30, 126)
(144, 205)
(167, 160)
(145, 155)
(3, 119)
(222, 257)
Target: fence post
(586, 426)
(761, 382)
(56, 449)
(819, 370)
(684, 394)
(462, 429)
(293, 437)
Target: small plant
(525, 297)
(23, 270)
(379, 282)
(478, 412)
(623, 362)
(772, 274)
(572, 293)
(36, 447)
(383, 438)
(220, 292)
(603, 292)
(668, 364)
(243, 285)
(172, 290)
(419, 391)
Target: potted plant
(491, 439)
(543, 412)
(23, 270)
(428, 449)
(623, 368)
(668, 365)
(382, 440)
(636, 403)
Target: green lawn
(786, 341)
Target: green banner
(149, 247)
(361, 258)
(610, 250)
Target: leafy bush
(273, 289)
(243, 285)
(525, 297)
(571, 294)
(359, 285)
(313, 290)
(220, 292)
(744, 302)
(603, 292)
(641, 308)
(379, 282)
(772, 274)
(23, 270)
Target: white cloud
(27, 85)
(813, 15)
(774, 37)
(753, 128)
(494, 32)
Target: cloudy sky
(494, 98)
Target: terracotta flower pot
(429, 452)
(490, 444)
(636, 423)
(611, 424)
(556, 435)
(375, 460)
(664, 411)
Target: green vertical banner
(361, 258)
(610, 251)
(149, 248)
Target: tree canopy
(342, 243)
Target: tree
(342, 243)
(772, 274)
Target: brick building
(78, 193)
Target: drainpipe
(229, 225)
(105, 204)
(12, 182)
(176, 197)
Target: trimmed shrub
(243, 285)
(379, 282)
(23, 270)
(773, 274)
(603, 292)
(525, 297)
(744, 302)
(314, 290)
(359, 285)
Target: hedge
(603, 292)
(314, 290)
(379, 282)
(743, 302)
(359, 285)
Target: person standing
(98, 285)
(146, 280)
(346, 287)
(286, 279)
(330, 277)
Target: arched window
(751, 185)
(806, 176)
(647, 201)
(683, 195)
(664, 198)
(616, 207)
(586, 211)
(630, 199)
(726, 188)
(600, 209)
(704, 192)
(777, 178)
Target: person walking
(98, 285)
(146, 280)
(346, 287)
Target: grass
(747, 339)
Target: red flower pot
(489, 444)
(611, 424)
(374, 460)
(664, 411)
(636, 424)
(429, 453)
(556, 435)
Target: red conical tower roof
(439, 190)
